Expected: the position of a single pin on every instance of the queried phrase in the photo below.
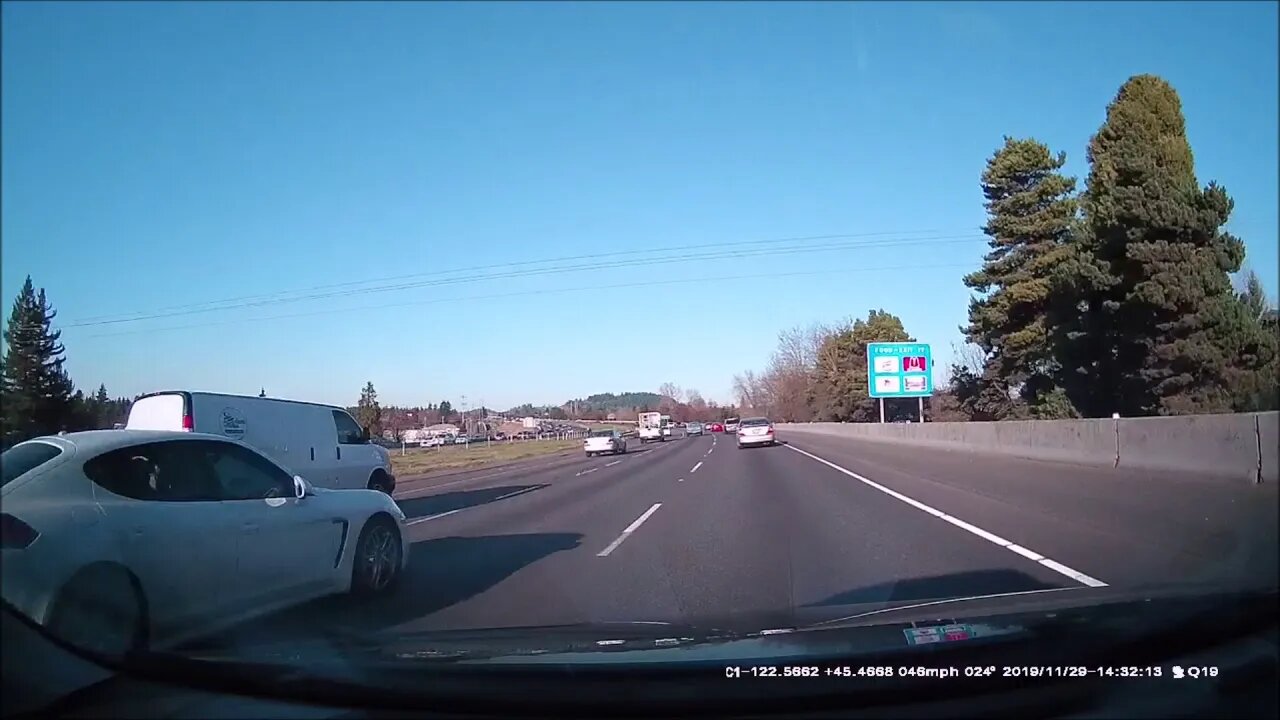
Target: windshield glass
(995, 295)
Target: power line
(497, 266)
(640, 262)
(526, 293)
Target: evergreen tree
(1257, 388)
(103, 413)
(1031, 214)
(368, 413)
(37, 392)
(1151, 324)
(840, 391)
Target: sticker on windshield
(938, 633)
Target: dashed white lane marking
(437, 516)
(630, 529)
(519, 492)
(586, 472)
(974, 529)
(615, 462)
(680, 480)
(695, 467)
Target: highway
(695, 530)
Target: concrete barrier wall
(1238, 446)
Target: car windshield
(997, 297)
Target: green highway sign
(899, 369)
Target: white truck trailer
(649, 428)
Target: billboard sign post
(900, 370)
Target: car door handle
(250, 527)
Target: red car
(715, 427)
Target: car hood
(806, 633)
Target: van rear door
(161, 411)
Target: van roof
(241, 397)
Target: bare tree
(670, 390)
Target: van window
(157, 412)
(25, 457)
(349, 432)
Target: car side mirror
(301, 488)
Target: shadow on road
(940, 587)
(442, 572)
(446, 571)
(444, 502)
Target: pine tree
(840, 390)
(368, 413)
(103, 412)
(37, 392)
(1151, 323)
(1031, 213)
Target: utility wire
(526, 293)
(640, 262)
(499, 266)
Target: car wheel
(380, 482)
(101, 609)
(376, 567)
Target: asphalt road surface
(696, 530)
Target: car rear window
(755, 421)
(601, 433)
(25, 457)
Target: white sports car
(121, 539)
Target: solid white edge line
(695, 467)
(630, 529)
(973, 529)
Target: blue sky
(164, 155)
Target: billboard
(899, 369)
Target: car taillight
(188, 423)
(769, 431)
(15, 534)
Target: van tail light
(187, 423)
(15, 534)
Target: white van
(322, 443)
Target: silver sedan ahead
(755, 431)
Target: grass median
(420, 461)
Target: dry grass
(417, 461)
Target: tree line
(1114, 299)
(37, 394)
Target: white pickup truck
(649, 428)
